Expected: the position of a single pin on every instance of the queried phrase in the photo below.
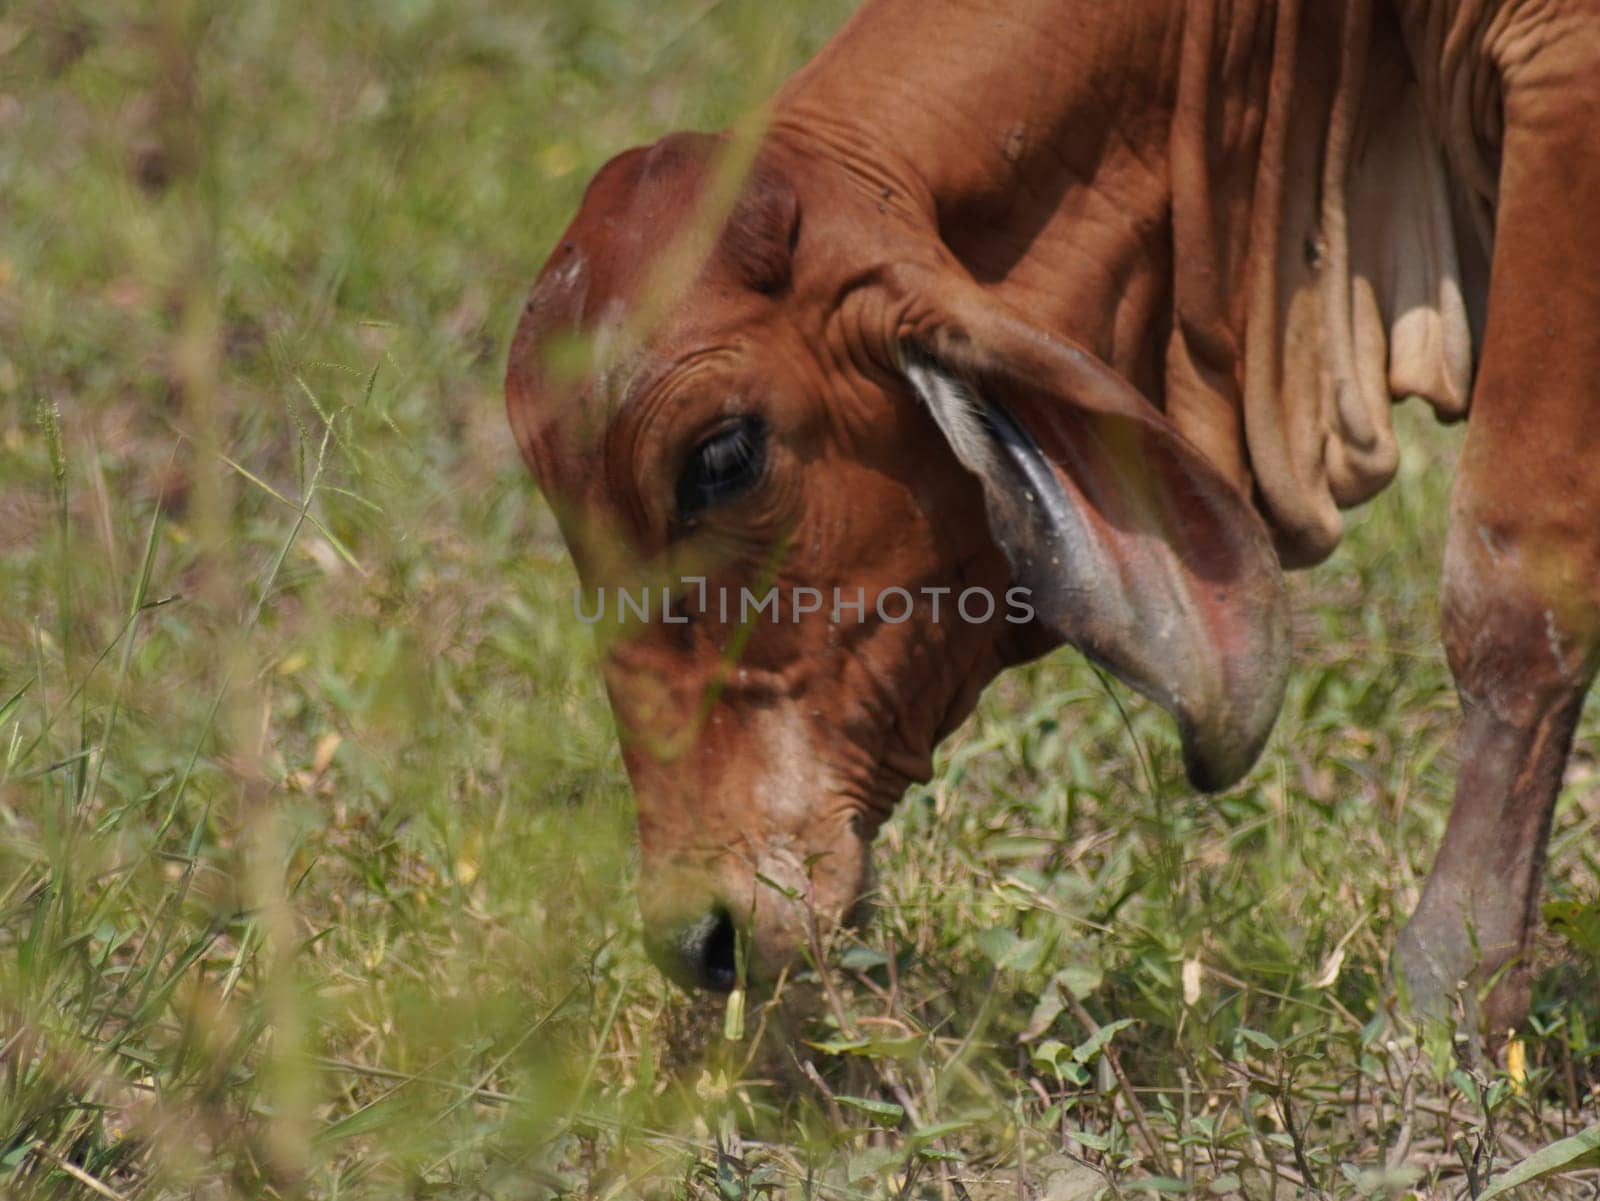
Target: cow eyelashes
(722, 467)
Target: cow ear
(1133, 547)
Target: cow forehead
(635, 206)
(610, 312)
(576, 350)
(634, 209)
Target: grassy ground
(315, 865)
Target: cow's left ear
(1135, 549)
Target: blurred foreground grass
(314, 873)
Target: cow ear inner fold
(1133, 547)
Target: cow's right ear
(1133, 547)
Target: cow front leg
(1522, 682)
(1521, 588)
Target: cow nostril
(710, 948)
(698, 954)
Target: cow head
(805, 395)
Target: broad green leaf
(362, 1121)
(874, 1048)
(893, 1048)
(1008, 951)
(728, 1182)
(1080, 979)
(861, 959)
(1096, 1042)
(884, 1111)
(1264, 1041)
(1095, 1142)
(1582, 1150)
(1468, 1087)
(1578, 924)
(1044, 1013)
(1048, 1053)
(1055, 1057)
(17, 1154)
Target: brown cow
(1108, 303)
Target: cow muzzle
(748, 922)
(702, 953)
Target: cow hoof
(1432, 982)
(1507, 1005)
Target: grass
(315, 878)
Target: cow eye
(722, 467)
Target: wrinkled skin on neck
(764, 753)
